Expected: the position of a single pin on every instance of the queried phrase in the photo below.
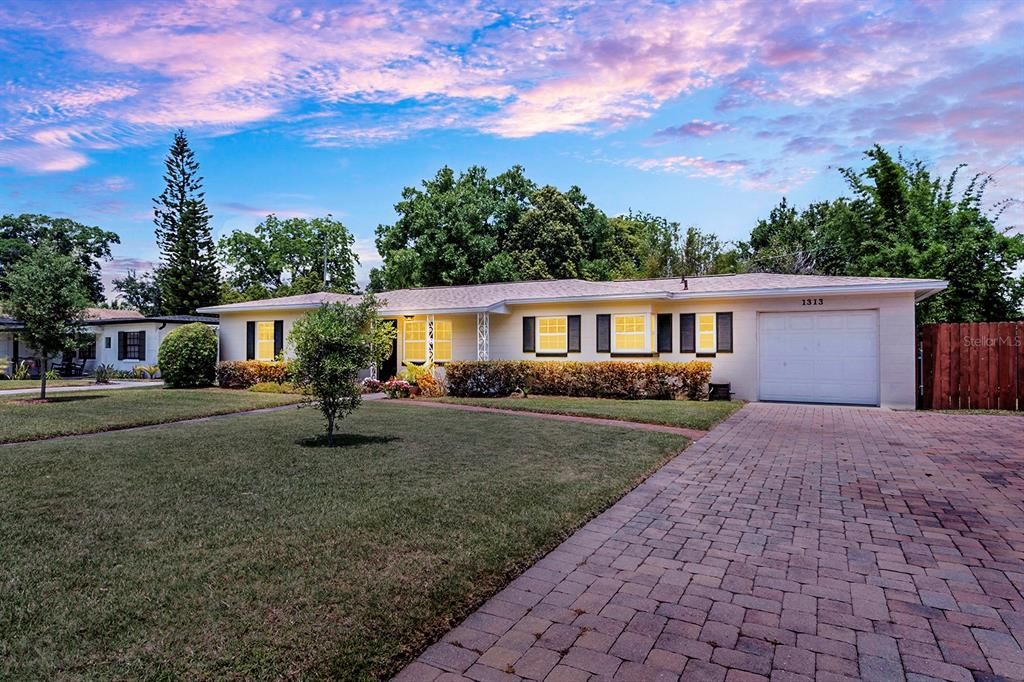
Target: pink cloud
(695, 128)
(694, 166)
(220, 65)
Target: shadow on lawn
(58, 399)
(344, 440)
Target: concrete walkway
(692, 434)
(113, 385)
(791, 543)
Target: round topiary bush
(188, 356)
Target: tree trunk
(330, 431)
(42, 377)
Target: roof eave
(637, 296)
(834, 289)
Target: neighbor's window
(552, 335)
(265, 340)
(87, 352)
(630, 333)
(415, 341)
(133, 349)
(706, 333)
(442, 340)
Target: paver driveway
(790, 543)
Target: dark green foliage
(188, 356)
(627, 380)
(87, 245)
(472, 229)
(547, 240)
(46, 293)
(140, 292)
(286, 257)
(332, 345)
(188, 276)
(901, 221)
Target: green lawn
(11, 384)
(233, 549)
(91, 411)
(685, 413)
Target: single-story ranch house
(122, 338)
(803, 338)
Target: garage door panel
(821, 356)
(865, 321)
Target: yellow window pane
(551, 334)
(630, 333)
(442, 340)
(265, 341)
(706, 333)
(415, 340)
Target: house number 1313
(812, 301)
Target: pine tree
(188, 275)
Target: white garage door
(819, 357)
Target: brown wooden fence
(976, 365)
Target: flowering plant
(397, 388)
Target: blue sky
(705, 112)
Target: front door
(389, 367)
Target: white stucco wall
(897, 335)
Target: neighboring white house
(122, 338)
(802, 338)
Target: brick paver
(789, 543)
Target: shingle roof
(480, 297)
(111, 314)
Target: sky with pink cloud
(706, 112)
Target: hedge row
(247, 373)
(629, 380)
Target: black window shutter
(142, 347)
(723, 323)
(278, 337)
(664, 332)
(604, 333)
(529, 334)
(122, 344)
(250, 340)
(688, 333)
(573, 327)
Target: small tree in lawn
(47, 295)
(332, 345)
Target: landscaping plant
(47, 294)
(627, 380)
(332, 345)
(247, 373)
(188, 356)
(104, 373)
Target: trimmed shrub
(188, 356)
(624, 380)
(486, 379)
(246, 373)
